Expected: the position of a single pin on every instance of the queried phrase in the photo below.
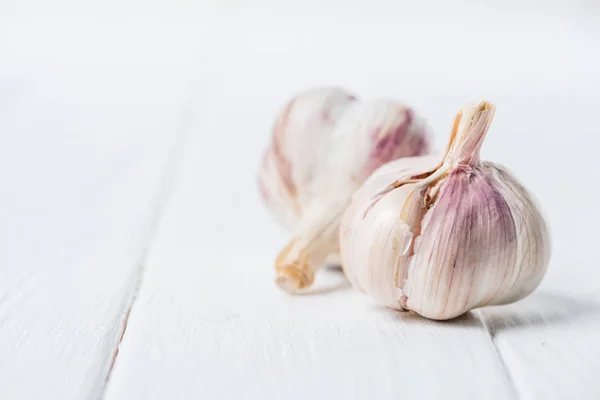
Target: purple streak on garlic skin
(264, 193)
(404, 138)
(469, 216)
(387, 145)
(286, 171)
(532, 233)
(277, 146)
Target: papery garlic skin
(448, 235)
(325, 144)
(303, 126)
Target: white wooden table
(135, 254)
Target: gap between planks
(164, 192)
(509, 376)
(197, 100)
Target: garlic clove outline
(441, 241)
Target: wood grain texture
(89, 117)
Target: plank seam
(197, 101)
(164, 192)
(509, 376)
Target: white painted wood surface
(128, 202)
(89, 115)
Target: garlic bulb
(440, 236)
(325, 143)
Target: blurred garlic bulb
(324, 144)
(442, 237)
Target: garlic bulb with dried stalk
(325, 143)
(441, 236)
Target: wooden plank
(210, 323)
(211, 336)
(549, 343)
(90, 107)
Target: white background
(130, 137)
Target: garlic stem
(298, 262)
(471, 127)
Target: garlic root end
(293, 279)
(294, 267)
